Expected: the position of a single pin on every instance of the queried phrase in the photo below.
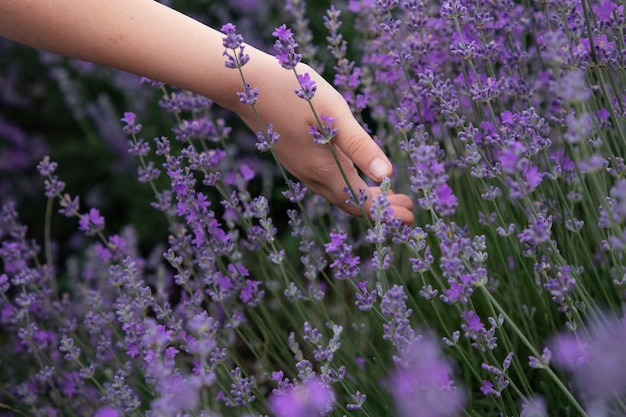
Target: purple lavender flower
(107, 412)
(618, 196)
(232, 40)
(364, 298)
(346, 265)
(131, 127)
(327, 132)
(46, 167)
(177, 393)
(443, 200)
(296, 191)
(251, 294)
(138, 147)
(453, 10)
(579, 128)
(487, 389)
(91, 222)
(250, 96)
(303, 33)
(267, 138)
(538, 231)
(234, 52)
(561, 285)
(572, 87)
(596, 360)
(482, 338)
(53, 186)
(241, 389)
(307, 87)
(534, 407)
(397, 328)
(285, 47)
(312, 398)
(422, 385)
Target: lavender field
(157, 260)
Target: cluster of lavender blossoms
(506, 123)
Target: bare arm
(149, 39)
(138, 36)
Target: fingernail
(379, 168)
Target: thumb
(361, 149)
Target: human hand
(314, 163)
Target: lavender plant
(506, 124)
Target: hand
(313, 163)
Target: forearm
(138, 36)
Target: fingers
(361, 149)
(314, 164)
(402, 207)
(400, 204)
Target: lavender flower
(131, 126)
(504, 120)
(296, 191)
(233, 42)
(534, 407)
(327, 132)
(250, 96)
(421, 385)
(307, 87)
(538, 231)
(285, 47)
(267, 138)
(346, 265)
(91, 222)
(310, 399)
(595, 359)
(46, 167)
(107, 412)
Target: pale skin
(146, 38)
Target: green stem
(534, 352)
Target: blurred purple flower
(444, 201)
(538, 230)
(473, 321)
(46, 167)
(107, 412)
(534, 407)
(596, 359)
(579, 127)
(572, 87)
(422, 386)
(131, 127)
(91, 222)
(511, 159)
(487, 389)
(312, 398)
(618, 194)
